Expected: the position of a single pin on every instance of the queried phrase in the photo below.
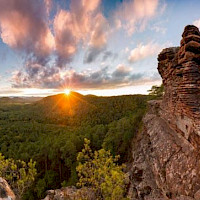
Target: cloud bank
(54, 78)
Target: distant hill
(77, 109)
(61, 99)
(74, 109)
(11, 100)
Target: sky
(100, 47)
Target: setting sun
(67, 91)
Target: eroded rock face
(166, 155)
(5, 192)
(180, 70)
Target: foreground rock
(5, 192)
(70, 193)
(166, 159)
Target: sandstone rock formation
(180, 71)
(166, 155)
(5, 192)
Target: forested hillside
(52, 131)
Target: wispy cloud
(197, 23)
(108, 55)
(145, 50)
(133, 15)
(48, 5)
(98, 39)
(10, 91)
(23, 27)
(49, 78)
(121, 71)
(83, 23)
(159, 29)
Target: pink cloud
(197, 23)
(99, 33)
(134, 14)
(91, 5)
(83, 23)
(144, 50)
(48, 5)
(65, 36)
(24, 28)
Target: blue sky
(103, 47)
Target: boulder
(5, 191)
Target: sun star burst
(67, 91)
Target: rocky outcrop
(5, 192)
(180, 71)
(166, 155)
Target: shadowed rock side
(166, 154)
(5, 192)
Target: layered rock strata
(179, 68)
(166, 155)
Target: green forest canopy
(52, 131)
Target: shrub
(100, 172)
(20, 175)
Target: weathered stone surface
(164, 161)
(184, 198)
(197, 195)
(70, 193)
(5, 192)
(142, 175)
(166, 155)
(190, 30)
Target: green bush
(157, 91)
(20, 175)
(100, 172)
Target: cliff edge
(166, 155)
